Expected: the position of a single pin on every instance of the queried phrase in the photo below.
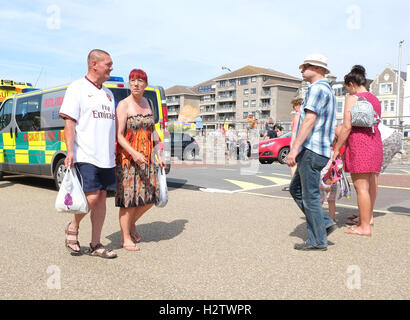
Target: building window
(339, 107)
(243, 81)
(338, 91)
(392, 105)
(246, 103)
(253, 103)
(386, 88)
(245, 115)
(245, 92)
(386, 105)
(253, 79)
(385, 122)
(222, 83)
(253, 91)
(205, 88)
(392, 122)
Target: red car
(274, 149)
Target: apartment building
(234, 96)
(177, 97)
(384, 87)
(406, 100)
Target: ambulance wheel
(59, 172)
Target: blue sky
(184, 42)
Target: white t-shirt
(93, 110)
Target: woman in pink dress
(364, 151)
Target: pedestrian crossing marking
(279, 181)
(245, 185)
(280, 174)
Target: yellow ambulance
(10, 87)
(32, 133)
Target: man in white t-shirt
(89, 113)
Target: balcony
(207, 101)
(228, 85)
(173, 111)
(264, 105)
(230, 97)
(173, 102)
(226, 118)
(225, 109)
(207, 111)
(266, 93)
(208, 119)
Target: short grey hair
(95, 54)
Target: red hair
(138, 74)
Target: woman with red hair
(137, 188)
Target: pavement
(234, 246)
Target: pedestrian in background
(296, 103)
(329, 192)
(392, 140)
(269, 124)
(89, 113)
(279, 131)
(312, 151)
(364, 151)
(270, 134)
(137, 149)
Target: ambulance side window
(151, 95)
(28, 113)
(5, 114)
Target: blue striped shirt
(321, 100)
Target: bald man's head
(95, 56)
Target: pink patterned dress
(364, 149)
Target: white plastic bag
(163, 188)
(71, 197)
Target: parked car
(274, 149)
(183, 146)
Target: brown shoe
(104, 254)
(69, 243)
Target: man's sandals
(103, 254)
(70, 243)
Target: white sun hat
(316, 59)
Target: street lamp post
(398, 85)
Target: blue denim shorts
(95, 178)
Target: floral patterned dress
(137, 185)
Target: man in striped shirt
(312, 151)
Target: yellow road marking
(245, 185)
(280, 174)
(279, 181)
(267, 195)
